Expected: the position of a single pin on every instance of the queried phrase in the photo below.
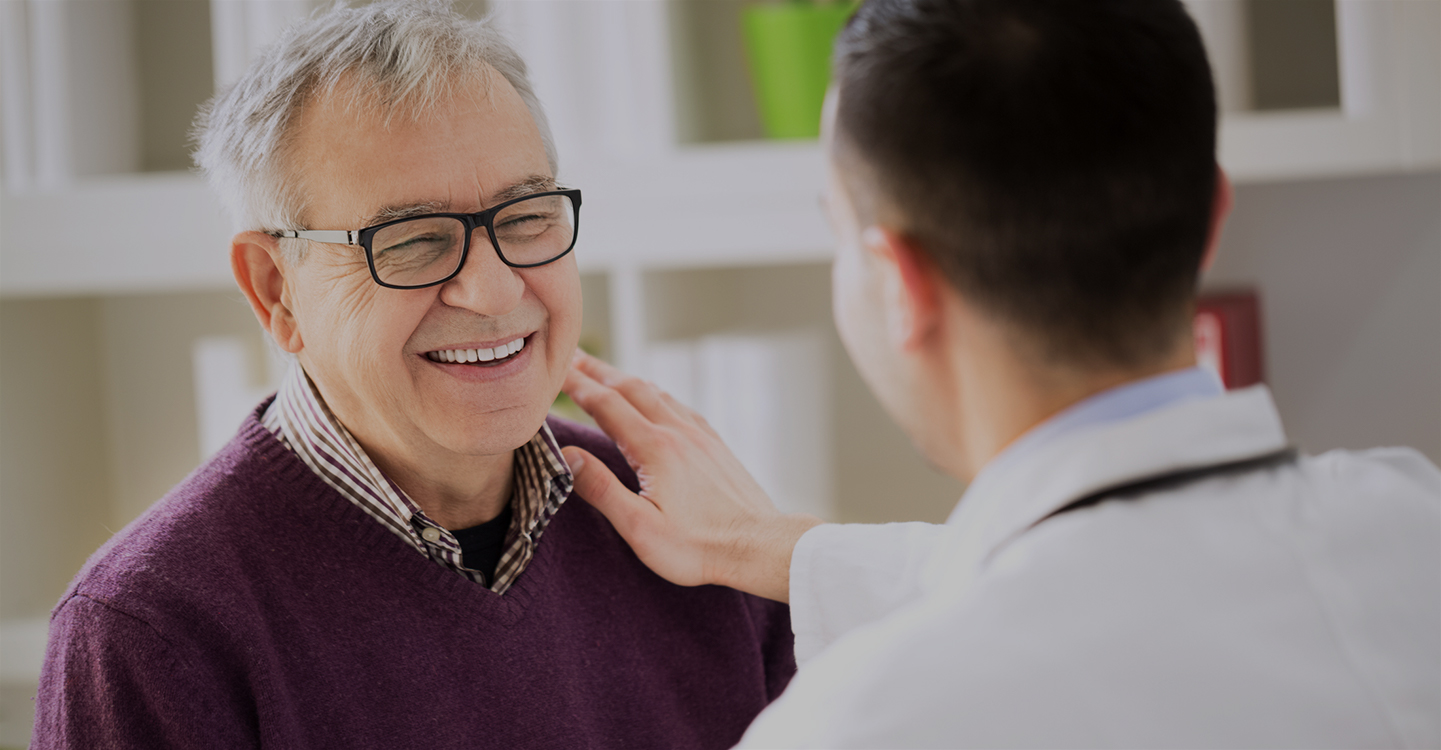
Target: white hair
(404, 56)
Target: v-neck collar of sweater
(333, 513)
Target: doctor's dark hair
(1054, 158)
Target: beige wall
(149, 389)
(97, 421)
(1350, 278)
(54, 471)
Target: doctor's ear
(260, 271)
(910, 286)
(1221, 204)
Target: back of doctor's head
(1054, 158)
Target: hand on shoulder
(700, 518)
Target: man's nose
(485, 284)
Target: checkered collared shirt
(302, 421)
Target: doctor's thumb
(593, 479)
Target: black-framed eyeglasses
(423, 251)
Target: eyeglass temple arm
(337, 236)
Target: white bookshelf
(601, 66)
(114, 234)
(1389, 118)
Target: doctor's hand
(700, 517)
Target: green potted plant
(788, 45)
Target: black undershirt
(481, 546)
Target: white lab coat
(1293, 606)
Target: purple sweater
(255, 606)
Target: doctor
(1024, 192)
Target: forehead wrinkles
(356, 101)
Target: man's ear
(259, 269)
(910, 286)
(1220, 208)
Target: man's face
(368, 348)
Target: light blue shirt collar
(1122, 402)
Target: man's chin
(491, 434)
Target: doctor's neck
(995, 390)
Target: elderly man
(387, 554)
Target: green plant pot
(789, 47)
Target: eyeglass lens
(428, 248)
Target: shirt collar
(300, 418)
(1122, 402)
(1119, 436)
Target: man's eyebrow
(403, 211)
(528, 186)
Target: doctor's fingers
(638, 519)
(639, 393)
(641, 438)
(595, 482)
(689, 414)
(652, 403)
(610, 410)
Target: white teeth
(477, 355)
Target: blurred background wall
(113, 259)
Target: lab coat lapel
(1002, 504)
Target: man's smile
(483, 356)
